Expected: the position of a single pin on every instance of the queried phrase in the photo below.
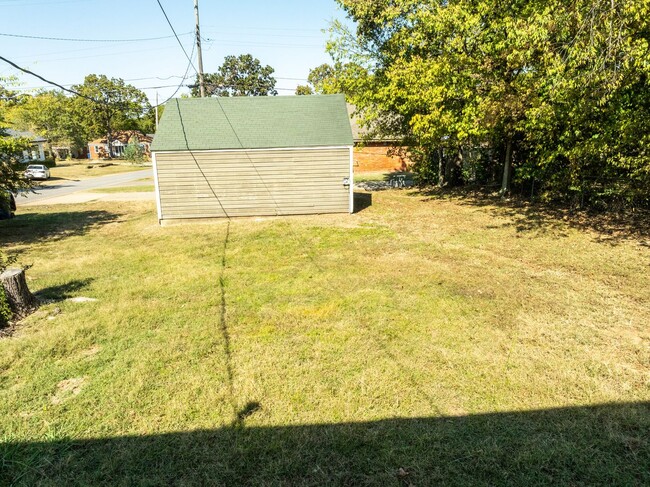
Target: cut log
(21, 301)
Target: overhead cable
(24, 70)
(90, 40)
(176, 35)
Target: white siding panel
(205, 184)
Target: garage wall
(252, 183)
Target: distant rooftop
(26, 134)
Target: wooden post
(21, 300)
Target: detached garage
(253, 156)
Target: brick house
(372, 154)
(98, 149)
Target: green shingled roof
(253, 123)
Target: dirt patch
(82, 299)
(66, 389)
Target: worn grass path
(432, 342)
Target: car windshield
(33, 166)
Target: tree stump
(21, 301)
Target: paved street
(67, 187)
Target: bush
(134, 152)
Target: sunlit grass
(409, 309)
(84, 169)
(144, 188)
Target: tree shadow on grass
(595, 445)
(609, 227)
(62, 291)
(28, 228)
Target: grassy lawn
(420, 341)
(79, 169)
(141, 188)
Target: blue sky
(286, 34)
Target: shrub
(134, 152)
(49, 162)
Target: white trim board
(351, 180)
(157, 189)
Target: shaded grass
(582, 447)
(330, 326)
(611, 227)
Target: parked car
(37, 171)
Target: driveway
(45, 193)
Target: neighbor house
(98, 149)
(38, 150)
(372, 153)
(253, 156)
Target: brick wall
(93, 153)
(374, 157)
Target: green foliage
(51, 115)
(322, 78)
(11, 167)
(304, 90)
(116, 106)
(49, 162)
(241, 75)
(327, 79)
(11, 148)
(564, 84)
(134, 152)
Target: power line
(181, 84)
(46, 80)
(90, 40)
(176, 35)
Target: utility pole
(198, 48)
(156, 111)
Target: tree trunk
(109, 145)
(442, 182)
(21, 300)
(507, 169)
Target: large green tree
(11, 148)
(241, 75)
(51, 115)
(556, 90)
(105, 105)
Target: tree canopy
(107, 104)
(103, 106)
(11, 148)
(304, 90)
(555, 91)
(241, 75)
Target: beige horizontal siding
(252, 183)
